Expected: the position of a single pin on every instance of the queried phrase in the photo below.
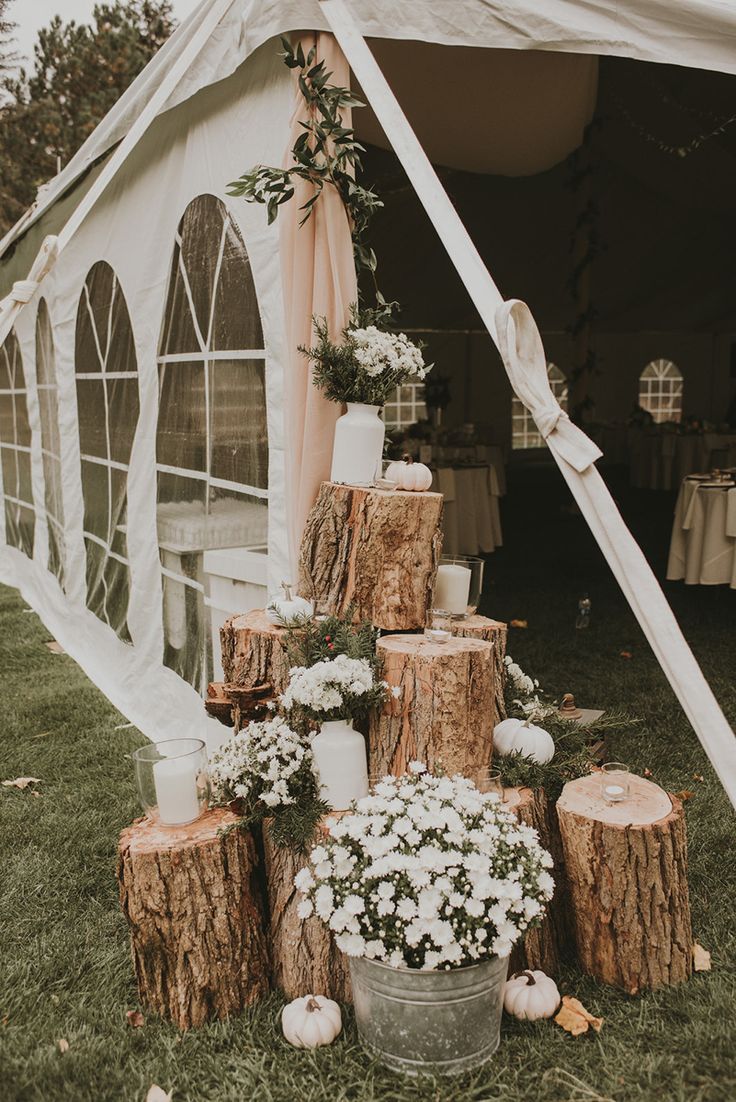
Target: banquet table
(703, 544)
(471, 518)
(659, 460)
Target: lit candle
(437, 635)
(340, 763)
(452, 588)
(614, 791)
(176, 790)
(615, 783)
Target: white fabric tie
(24, 290)
(526, 364)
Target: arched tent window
(405, 406)
(212, 439)
(108, 406)
(524, 432)
(15, 449)
(50, 443)
(660, 390)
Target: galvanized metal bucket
(429, 1022)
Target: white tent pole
(573, 452)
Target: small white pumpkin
(286, 608)
(520, 736)
(530, 995)
(311, 1021)
(409, 475)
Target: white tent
(142, 384)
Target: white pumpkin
(311, 1021)
(530, 995)
(287, 608)
(409, 475)
(520, 736)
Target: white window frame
(402, 409)
(661, 390)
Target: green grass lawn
(65, 970)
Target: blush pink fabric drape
(319, 280)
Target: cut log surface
(305, 958)
(548, 944)
(627, 874)
(194, 908)
(377, 550)
(443, 713)
(253, 652)
(493, 631)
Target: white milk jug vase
(358, 447)
(340, 763)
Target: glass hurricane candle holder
(439, 626)
(489, 779)
(615, 782)
(458, 585)
(173, 782)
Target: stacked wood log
(443, 711)
(627, 874)
(495, 632)
(197, 924)
(254, 652)
(303, 951)
(374, 550)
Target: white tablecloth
(472, 521)
(660, 460)
(703, 544)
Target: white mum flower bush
(427, 872)
(336, 688)
(522, 693)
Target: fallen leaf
(55, 648)
(625, 654)
(648, 773)
(575, 1019)
(701, 958)
(37, 795)
(518, 624)
(62, 1045)
(685, 794)
(135, 1018)
(4, 1020)
(22, 782)
(155, 1094)
(698, 777)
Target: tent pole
(622, 553)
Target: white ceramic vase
(358, 447)
(340, 763)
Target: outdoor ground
(65, 972)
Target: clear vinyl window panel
(661, 388)
(108, 407)
(212, 439)
(15, 449)
(48, 401)
(405, 407)
(524, 432)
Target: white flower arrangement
(337, 688)
(427, 872)
(527, 700)
(378, 352)
(266, 765)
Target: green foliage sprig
(313, 641)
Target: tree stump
(627, 874)
(443, 713)
(377, 550)
(305, 957)
(193, 904)
(549, 943)
(493, 631)
(254, 652)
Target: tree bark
(493, 631)
(627, 873)
(377, 550)
(548, 944)
(254, 652)
(443, 713)
(305, 958)
(193, 905)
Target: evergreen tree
(79, 72)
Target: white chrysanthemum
(258, 764)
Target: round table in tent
(703, 544)
(472, 519)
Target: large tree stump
(627, 874)
(443, 713)
(493, 631)
(548, 944)
(305, 957)
(377, 550)
(254, 652)
(193, 904)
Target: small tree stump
(627, 874)
(493, 631)
(218, 704)
(254, 652)
(193, 904)
(377, 550)
(549, 943)
(443, 713)
(305, 957)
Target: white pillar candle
(340, 763)
(452, 588)
(176, 790)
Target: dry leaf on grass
(575, 1019)
(155, 1094)
(135, 1018)
(625, 654)
(701, 958)
(518, 624)
(648, 773)
(55, 648)
(62, 1045)
(684, 794)
(21, 782)
(698, 777)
